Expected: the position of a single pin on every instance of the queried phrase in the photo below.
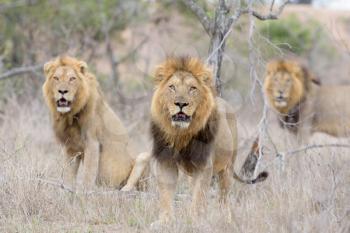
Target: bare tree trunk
(112, 61)
(304, 1)
(217, 43)
(216, 60)
(220, 27)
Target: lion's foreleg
(201, 184)
(166, 174)
(90, 163)
(70, 169)
(141, 162)
(225, 182)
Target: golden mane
(297, 70)
(205, 111)
(88, 127)
(187, 64)
(302, 80)
(207, 145)
(88, 91)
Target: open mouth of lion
(181, 120)
(280, 101)
(181, 116)
(63, 105)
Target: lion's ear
(208, 79)
(159, 74)
(296, 69)
(82, 67)
(207, 76)
(47, 67)
(271, 67)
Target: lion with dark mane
(192, 130)
(304, 106)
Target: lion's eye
(72, 78)
(172, 87)
(55, 77)
(193, 88)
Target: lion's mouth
(63, 105)
(280, 101)
(181, 120)
(280, 98)
(182, 117)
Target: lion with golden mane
(302, 104)
(86, 126)
(193, 131)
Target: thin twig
(270, 16)
(56, 184)
(271, 6)
(314, 146)
(200, 13)
(228, 29)
(15, 4)
(87, 193)
(132, 52)
(20, 70)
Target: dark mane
(291, 120)
(193, 156)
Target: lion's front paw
(160, 223)
(164, 220)
(85, 191)
(127, 188)
(156, 225)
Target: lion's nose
(181, 104)
(63, 91)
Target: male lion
(302, 105)
(193, 131)
(86, 126)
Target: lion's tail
(261, 177)
(249, 166)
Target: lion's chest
(194, 156)
(70, 135)
(191, 156)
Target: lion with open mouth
(193, 131)
(91, 133)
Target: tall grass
(311, 194)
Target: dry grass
(312, 194)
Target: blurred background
(122, 41)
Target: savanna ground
(306, 192)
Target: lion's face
(183, 99)
(65, 86)
(283, 86)
(65, 83)
(182, 94)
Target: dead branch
(56, 184)
(20, 70)
(132, 52)
(15, 4)
(288, 154)
(271, 6)
(314, 146)
(270, 16)
(220, 27)
(88, 193)
(203, 18)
